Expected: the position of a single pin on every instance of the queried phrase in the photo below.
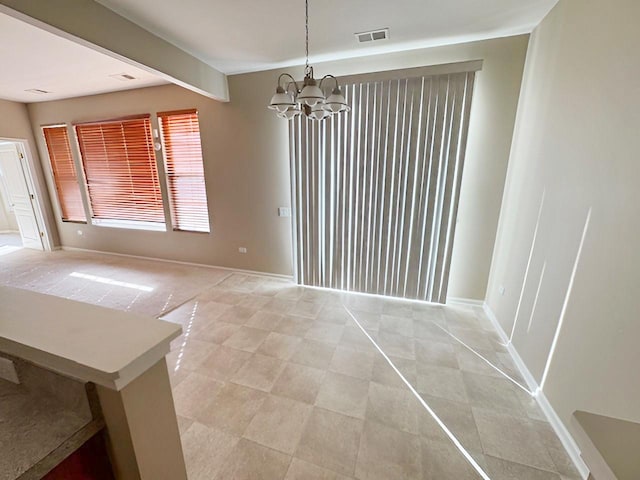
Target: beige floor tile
(503, 470)
(369, 321)
(215, 332)
(325, 332)
(513, 439)
(458, 418)
(183, 424)
(561, 460)
(279, 305)
(237, 315)
(333, 314)
(233, 408)
(393, 407)
(254, 301)
(331, 440)
(352, 363)
(264, 320)
(442, 460)
(398, 308)
(250, 461)
(279, 346)
(313, 354)
(387, 453)
(474, 338)
(205, 451)
(397, 345)
(279, 423)
(246, 338)
(222, 296)
(191, 354)
(473, 363)
(439, 354)
(442, 382)
(343, 394)
(176, 376)
(398, 325)
(293, 325)
(299, 383)
(301, 470)
(304, 308)
(292, 293)
(193, 394)
(354, 339)
(259, 372)
(383, 372)
(498, 394)
(427, 330)
(223, 363)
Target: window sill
(130, 225)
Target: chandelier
(290, 100)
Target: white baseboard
(165, 260)
(561, 430)
(467, 302)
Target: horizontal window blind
(185, 170)
(376, 190)
(64, 172)
(120, 169)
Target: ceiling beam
(88, 23)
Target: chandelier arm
(292, 81)
(329, 76)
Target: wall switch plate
(8, 371)
(242, 249)
(501, 289)
(284, 211)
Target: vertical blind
(185, 170)
(376, 190)
(64, 172)
(120, 169)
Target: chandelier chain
(306, 31)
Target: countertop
(83, 341)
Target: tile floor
(275, 381)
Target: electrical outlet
(80, 232)
(284, 212)
(501, 289)
(242, 249)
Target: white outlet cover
(284, 211)
(242, 249)
(501, 289)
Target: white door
(20, 198)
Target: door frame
(28, 167)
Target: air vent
(124, 77)
(373, 35)
(37, 90)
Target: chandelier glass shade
(290, 100)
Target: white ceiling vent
(125, 77)
(373, 35)
(37, 90)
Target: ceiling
(236, 36)
(31, 58)
(247, 35)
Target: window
(121, 173)
(185, 170)
(64, 174)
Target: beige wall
(577, 139)
(15, 125)
(246, 156)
